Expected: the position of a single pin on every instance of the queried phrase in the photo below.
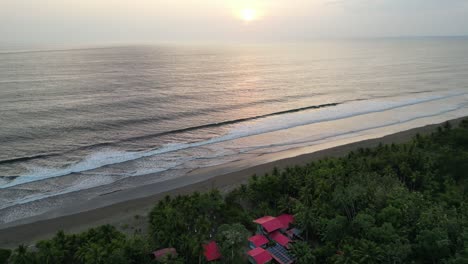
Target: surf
(246, 127)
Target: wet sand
(127, 209)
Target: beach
(232, 131)
(127, 208)
(98, 135)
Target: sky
(141, 21)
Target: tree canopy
(398, 203)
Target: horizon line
(58, 47)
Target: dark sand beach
(127, 209)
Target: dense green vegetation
(401, 203)
(4, 255)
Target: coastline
(120, 207)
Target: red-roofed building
(277, 230)
(160, 254)
(285, 220)
(280, 239)
(211, 251)
(268, 224)
(257, 241)
(263, 220)
(259, 256)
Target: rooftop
(211, 251)
(286, 220)
(269, 223)
(159, 254)
(280, 238)
(258, 240)
(260, 255)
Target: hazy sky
(134, 21)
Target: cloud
(400, 5)
(212, 20)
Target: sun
(248, 14)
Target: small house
(165, 252)
(268, 224)
(285, 220)
(258, 240)
(259, 256)
(281, 239)
(211, 251)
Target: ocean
(78, 119)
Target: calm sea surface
(76, 119)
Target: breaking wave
(242, 128)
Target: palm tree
(49, 253)
(91, 253)
(285, 204)
(367, 252)
(345, 257)
(232, 239)
(21, 256)
(305, 218)
(303, 253)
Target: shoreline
(121, 207)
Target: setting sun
(248, 14)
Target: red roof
(270, 223)
(211, 251)
(159, 254)
(260, 255)
(285, 220)
(258, 240)
(280, 238)
(264, 219)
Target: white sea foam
(86, 183)
(342, 111)
(332, 135)
(261, 126)
(144, 167)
